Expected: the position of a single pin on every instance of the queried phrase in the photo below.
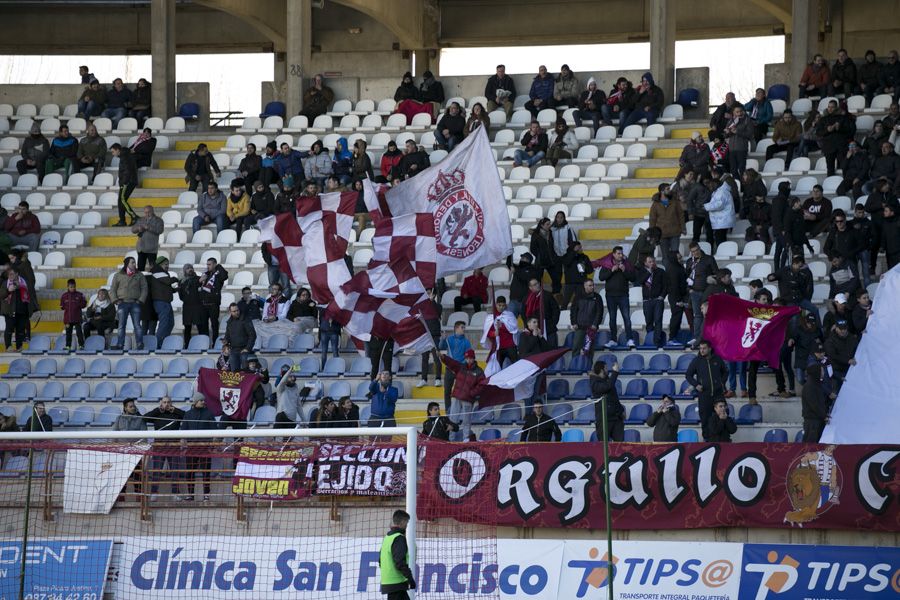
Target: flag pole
(609, 545)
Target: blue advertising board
(64, 569)
(794, 572)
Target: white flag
(464, 194)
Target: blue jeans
(450, 141)
(621, 303)
(165, 319)
(329, 339)
(88, 108)
(132, 309)
(653, 314)
(636, 115)
(219, 221)
(526, 159)
(115, 115)
(696, 302)
(733, 369)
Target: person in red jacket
(389, 161)
(23, 227)
(72, 302)
(468, 382)
(474, 291)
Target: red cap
(469, 353)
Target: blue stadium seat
(81, 390)
(362, 388)
(573, 435)
(107, 416)
(779, 91)
(514, 435)
(631, 364)
(659, 364)
(359, 367)
(275, 369)
(584, 415)
(304, 343)
(334, 367)
(74, 367)
(131, 389)
(558, 366)
(25, 391)
(557, 389)
(82, 416)
(173, 344)
(51, 392)
(579, 365)
(189, 111)
(38, 345)
(639, 413)
(276, 344)
(4, 390)
(798, 437)
(622, 342)
(365, 412)
(151, 368)
(59, 346)
(691, 415)
(14, 466)
(685, 392)
(593, 437)
(601, 339)
(204, 363)
(569, 340)
(489, 435)
(182, 391)
(688, 98)
(609, 358)
(309, 366)
(635, 389)
(483, 416)
(401, 389)
(155, 391)
(45, 367)
(663, 387)
(562, 413)
(177, 367)
(92, 345)
(273, 109)
(649, 342)
(264, 416)
(125, 367)
(632, 435)
(150, 343)
(59, 415)
(776, 435)
(411, 366)
(581, 390)
(509, 415)
(682, 364)
(338, 389)
(749, 414)
(688, 435)
(199, 344)
(99, 367)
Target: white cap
(841, 298)
(695, 135)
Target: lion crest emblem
(814, 483)
(458, 218)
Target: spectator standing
(543, 248)
(706, 374)
(890, 233)
(795, 284)
(118, 102)
(193, 313)
(454, 346)
(148, 229)
(468, 382)
(562, 237)
(211, 208)
(396, 576)
(843, 76)
(738, 133)
(577, 269)
(817, 212)
(35, 150)
(474, 291)
(15, 306)
(862, 226)
(317, 98)
(531, 341)
(383, 394)
(654, 288)
(211, 283)
(759, 213)
(760, 112)
(816, 78)
(667, 213)
(721, 211)
(501, 328)
(162, 287)
(618, 273)
(648, 104)
(720, 427)
(91, 151)
(541, 304)
(500, 91)
(63, 153)
(39, 419)
(200, 168)
(240, 335)
(329, 335)
(128, 180)
(603, 383)
(665, 421)
(522, 273)
(71, 303)
(237, 207)
(834, 129)
(130, 420)
(785, 137)
(450, 128)
(23, 227)
(699, 267)
(85, 73)
(539, 426)
(534, 146)
(815, 404)
(289, 400)
(198, 460)
(166, 417)
(695, 157)
(436, 425)
(586, 316)
(694, 198)
(840, 348)
(678, 296)
(566, 88)
(140, 102)
(590, 105)
(540, 96)
(92, 101)
(127, 292)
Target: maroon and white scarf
(23, 290)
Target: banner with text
(679, 486)
(68, 569)
(360, 470)
(272, 474)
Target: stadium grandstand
(687, 278)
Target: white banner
(93, 479)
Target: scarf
(272, 303)
(210, 284)
(23, 291)
(130, 272)
(100, 304)
(588, 345)
(615, 97)
(535, 138)
(534, 304)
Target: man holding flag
(502, 329)
(468, 382)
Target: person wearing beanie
(127, 292)
(148, 229)
(35, 149)
(648, 104)
(468, 381)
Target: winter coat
(739, 140)
(93, 148)
(128, 288)
(468, 381)
(236, 210)
(455, 124)
(696, 157)
(587, 310)
(161, 285)
(290, 163)
(814, 401)
(816, 75)
(542, 88)
(195, 165)
(543, 250)
(668, 216)
(566, 87)
(577, 267)
(665, 425)
(709, 372)
(35, 148)
(251, 163)
(539, 146)
(563, 237)
(834, 141)
(106, 316)
(161, 420)
(541, 429)
(721, 208)
(133, 422)
(192, 312)
(439, 428)
(720, 430)
(62, 148)
(763, 111)
(699, 271)
(842, 243)
(658, 286)
(198, 419)
(211, 206)
(518, 288)
(793, 286)
(606, 386)
(148, 241)
(532, 344)
(384, 402)
(791, 132)
(71, 304)
(317, 165)
(494, 83)
(841, 350)
(431, 90)
(569, 141)
(616, 282)
(127, 168)
(845, 73)
(696, 198)
(240, 334)
(261, 203)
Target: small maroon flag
(739, 330)
(227, 393)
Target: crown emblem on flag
(765, 314)
(446, 183)
(231, 378)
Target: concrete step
(171, 163)
(681, 134)
(113, 241)
(623, 213)
(603, 234)
(214, 145)
(656, 173)
(163, 183)
(84, 283)
(667, 152)
(635, 192)
(87, 262)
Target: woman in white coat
(721, 211)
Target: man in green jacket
(128, 292)
(396, 576)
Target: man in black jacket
(815, 404)
(451, 128)
(539, 427)
(834, 129)
(707, 374)
(522, 274)
(654, 288)
(840, 348)
(679, 300)
(795, 284)
(192, 311)
(578, 269)
(587, 315)
(618, 278)
(665, 421)
(414, 161)
(165, 417)
(842, 239)
(541, 304)
(855, 171)
(211, 283)
(127, 182)
(532, 341)
(240, 335)
(603, 384)
(720, 427)
(500, 91)
(162, 286)
(436, 425)
(698, 267)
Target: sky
(735, 65)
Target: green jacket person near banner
(396, 576)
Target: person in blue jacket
(383, 395)
(342, 161)
(540, 96)
(289, 161)
(760, 112)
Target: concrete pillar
(662, 46)
(804, 38)
(425, 61)
(162, 50)
(297, 60)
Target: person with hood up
(128, 292)
(451, 128)
(721, 210)
(317, 98)
(35, 149)
(566, 88)
(361, 167)
(648, 104)
(590, 105)
(318, 165)
(342, 162)
(540, 96)
(561, 143)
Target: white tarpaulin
(93, 479)
(865, 411)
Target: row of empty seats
(78, 125)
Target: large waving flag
(227, 393)
(516, 382)
(739, 330)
